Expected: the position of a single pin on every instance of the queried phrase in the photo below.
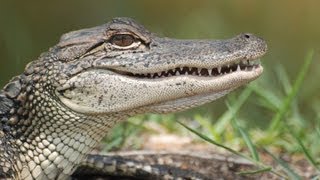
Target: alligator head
(66, 101)
(120, 66)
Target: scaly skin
(55, 113)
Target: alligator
(66, 101)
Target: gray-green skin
(65, 102)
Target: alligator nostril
(247, 36)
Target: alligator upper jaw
(244, 65)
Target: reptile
(66, 101)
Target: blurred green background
(290, 27)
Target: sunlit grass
(292, 94)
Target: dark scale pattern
(40, 138)
(53, 114)
(51, 140)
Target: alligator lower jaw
(239, 66)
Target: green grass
(291, 95)
(288, 130)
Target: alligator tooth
(172, 73)
(163, 73)
(199, 71)
(238, 68)
(155, 74)
(184, 73)
(219, 70)
(181, 69)
(187, 73)
(194, 73)
(210, 72)
(230, 70)
(177, 73)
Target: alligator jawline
(244, 65)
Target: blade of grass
(204, 122)
(282, 75)
(257, 163)
(293, 93)
(267, 169)
(291, 173)
(244, 135)
(318, 131)
(248, 141)
(273, 101)
(304, 149)
(317, 177)
(283, 78)
(206, 138)
(227, 116)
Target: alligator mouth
(241, 65)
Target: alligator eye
(122, 40)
